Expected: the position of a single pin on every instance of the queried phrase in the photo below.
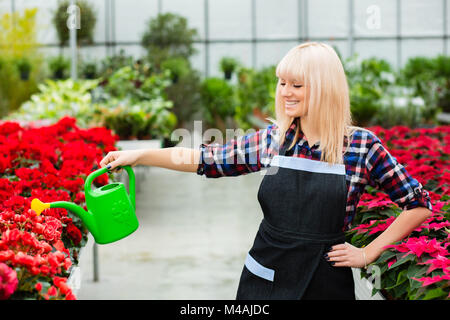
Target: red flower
(8, 281)
(74, 233)
(38, 286)
(52, 229)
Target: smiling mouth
(291, 103)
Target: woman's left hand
(346, 255)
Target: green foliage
(184, 92)
(24, 67)
(218, 101)
(255, 94)
(59, 67)
(168, 36)
(170, 43)
(88, 19)
(57, 99)
(228, 65)
(368, 80)
(430, 79)
(178, 67)
(133, 103)
(109, 65)
(20, 62)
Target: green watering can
(111, 211)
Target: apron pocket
(258, 269)
(256, 281)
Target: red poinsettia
(49, 163)
(425, 154)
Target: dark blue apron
(303, 203)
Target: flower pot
(24, 75)
(228, 74)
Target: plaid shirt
(367, 162)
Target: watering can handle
(99, 172)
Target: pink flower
(418, 246)
(391, 262)
(430, 280)
(440, 262)
(8, 281)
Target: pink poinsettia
(426, 281)
(418, 246)
(440, 262)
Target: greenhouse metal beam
(399, 33)
(351, 33)
(444, 10)
(73, 40)
(206, 42)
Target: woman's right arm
(175, 158)
(246, 154)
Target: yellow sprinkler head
(38, 206)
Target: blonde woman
(318, 165)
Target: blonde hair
(319, 67)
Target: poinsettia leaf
(409, 257)
(386, 255)
(416, 271)
(414, 284)
(370, 216)
(435, 293)
(401, 277)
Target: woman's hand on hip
(346, 255)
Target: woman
(318, 166)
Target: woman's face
(293, 94)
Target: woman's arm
(347, 255)
(385, 173)
(175, 158)
(402, 226)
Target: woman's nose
(285, 91)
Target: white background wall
(259, 32)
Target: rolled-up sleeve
(245, 154)
(386, 174)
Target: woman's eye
(295, 85)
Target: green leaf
(409, 257)
(369, 216)
(386, 255)
(434, 293)
(401, 277)
(415, 271)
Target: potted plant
(88, 19)
(178, 67)
(59, 67)
(228, 65)
(218, 102)
(168, 35)
(89, 70)
(24, 67)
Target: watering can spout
(87, 217)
